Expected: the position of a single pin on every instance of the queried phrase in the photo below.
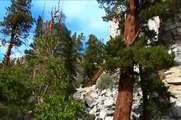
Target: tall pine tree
(69, 48)
(123, 53)
(93, 58)
(16, 24)
(39, 34)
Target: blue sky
(82, 16)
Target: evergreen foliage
(63, 45)
(41, 85)
(59, 108)
(16, 89)
(52, 84)
(151, 59)
(56, 55)
(147, 52)
(18, 20)
(94, 56)
(156, 95)
(107, 81)
(49, 82)
(69, 48)
(39, 31)
(44, 83)
(16, 25)
(39, 34)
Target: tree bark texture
(125, 95)
(95, 77)
(8, 52)
(131, 30)
(126, 82)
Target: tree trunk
(8, 53)
(126, 82)
(10, 46)
(131, 30)
(95, 77)
(125, 95)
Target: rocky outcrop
(101, 103)
(172, 79)
(171, 35)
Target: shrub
(56, 107)
(106, 81)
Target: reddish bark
(126, 82)
(8, 52)
(95, 77)
(125, 95)
(131, 24)
(53, 17)
(10, 46)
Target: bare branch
(54, 16)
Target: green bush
(106, 81)
(8, 112)
(56, 107)
(15, 92)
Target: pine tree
(93, 58)
(39, 34)
(51, 83)
(69, 49)
(66, 46)
(16, 92)
(16, 24)
(123, 52)
(51, 80)
(40, 85)
(39, 31)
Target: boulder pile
(101, 103)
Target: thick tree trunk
(126, 82)
(131, 30)
(125, 95)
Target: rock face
(172, 78)
(114, 28)
(154, 24)
(101, 104)
(171, 35)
